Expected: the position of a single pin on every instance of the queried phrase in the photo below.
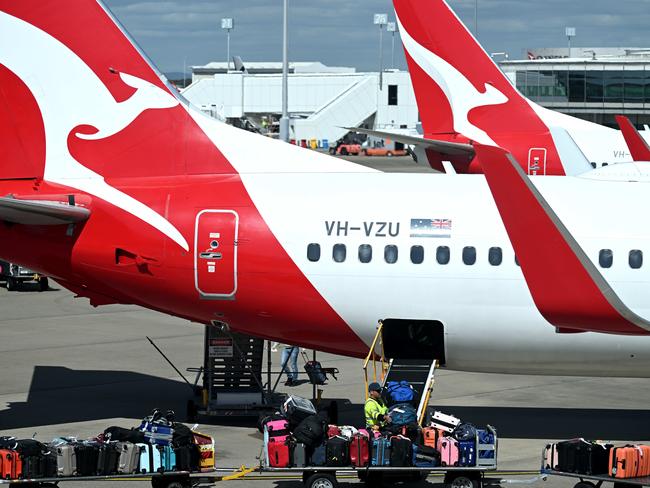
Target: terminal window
(417, 254)
(442, 255)
(392, 94)
(390, 254)
(495, 256)
(469, 255)
(636, 259)
(605, 258)
(365, 253)
(313, 252)
(338, 253)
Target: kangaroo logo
(65, 106)
(461, 94)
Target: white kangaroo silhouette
(460, 92)
(65, 105)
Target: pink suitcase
(277, 428)
(448, 448)
(550, 457)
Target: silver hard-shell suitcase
(129, 461)
(66, 460)
(299, 455)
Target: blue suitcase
(466, 453)
(318, 458)
(150, 459)
(167, 458)
(381, 452)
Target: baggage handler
(375, 409)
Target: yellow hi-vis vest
(374, 411)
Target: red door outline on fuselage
(215, 254)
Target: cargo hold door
(215, 254)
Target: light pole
(476, 19)
(570, 32)
(284, 120)
(381, 20)
(227, 24)
(392, 27)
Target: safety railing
(379, 361)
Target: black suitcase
(571, 455)
(593, 458)
(310, 431)
(337, 451)
(87, 458)
(107, 459)
(187, 458)
(315, 373)
(40, 466)
(401, 451)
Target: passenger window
(605, 258)
(390, 254)
(636, 259)
(338, 253)
(365, 253)
(469, 255)
(417, 254)
(313, 252)
(442, 255)
(495, 256)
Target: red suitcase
(624, 462)
(279, 451)
(360, 450)
(11, 467)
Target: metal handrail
(373, 356)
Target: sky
(178, 33)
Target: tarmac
(67, 369)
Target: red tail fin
(637, 145)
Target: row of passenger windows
(443, 255)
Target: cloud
(341, 33)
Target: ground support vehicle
(382, 151)
(171, 479)
(596, 481)
(14, 275)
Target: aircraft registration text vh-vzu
(124, 193)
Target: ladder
(420, 373)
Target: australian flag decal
(430, 227)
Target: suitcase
(571, 455)
(644, 464)
(431, 435)
(150, 461)
(448, 448)
(380, 452)
(187, 458)
(129, 460)
(466, 453)
(279, 452)
(593, 459)
(337, 451)
(66, 460)
(41, 466)
(121, 434)
(315, 373)
(277, 428)
(87, 457)
(550, 457)
(401, 451)
(311, 431)
(444, 422)
(624, 462)
(167, 458)
(298, 455)
(107, 459)
(297, 409)
(11, 466)
(318, 457)
(205, 444)
(360, 450)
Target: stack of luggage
(598, 458)
(158, 445)
(298, 436)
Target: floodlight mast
(227, 24)
(392, 27)
(284, 120)
(381, 20)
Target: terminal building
(593, 83)
(323, 100)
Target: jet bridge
(407, 350)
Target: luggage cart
(596, 481)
